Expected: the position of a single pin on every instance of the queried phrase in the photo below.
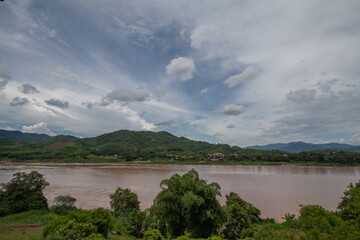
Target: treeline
(185, 208)
(129, 146)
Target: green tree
(188, 203)
(23, 193)
(241, 215)
(85, 224)
(63, 203)
(318, 223)
(153, 235)
(123, 202)
(350, 205)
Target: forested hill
(23, 137)
(141, 146)
(151, 142)
(120, 145)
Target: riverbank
(239, 163)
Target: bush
(23, 193)
(85, 224)
(153, 235)
(63, 203)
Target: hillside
(23, 137)
(146, 146)
(304, 147)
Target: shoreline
(145, 163)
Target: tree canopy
(23, 193)
(188, 203)
(123, 202)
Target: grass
(20, 232)
(26, 225)
(29, 217)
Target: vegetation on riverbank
(186, 208)
(161, 147)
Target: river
(275, 190)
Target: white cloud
(203, 33)
(248, 74)
(233, 110)
(38, 128)
(181, 67)
(9, 129)
(204, 90)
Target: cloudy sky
(236, 72)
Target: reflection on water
(275, 190)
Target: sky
(235, 72)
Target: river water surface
(275, 190)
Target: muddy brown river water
(275, 190)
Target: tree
(23, 193)
(123, 202)
(188, 203)
(85, 224)
(153, 235)
(241, 215)
(350, 205)
(63, 203)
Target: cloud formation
(201, 34)
(302, 95)
(40, 128)
(168, 122)
(57, 103)
(232, 110)
(248, 74)
(265, 56)
(204, 90)
(127, 95)
(181, 67)
(29, 89)
(17, 101)
(5, 77)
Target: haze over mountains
(303, 147)
(286, 147)
(23, 137)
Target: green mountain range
(146, 146)
(303, 146)
(23, 137)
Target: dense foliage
(241, 215)
(124, 202)
(23, 193)
(188, 203)
(350, 205)
(84, 224)
(63, 203)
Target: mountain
(23, 137)
(147, 142)
(305, 147)
(163, 147)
